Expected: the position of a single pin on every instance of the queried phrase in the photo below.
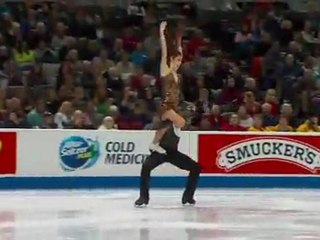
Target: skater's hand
(163, 26)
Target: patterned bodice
(171, 91)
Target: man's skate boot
(187, 199)
(141, 202)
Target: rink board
(12, 183)
(77, 159)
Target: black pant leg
(153, 161)
(184, 162)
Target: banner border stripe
(14, 183)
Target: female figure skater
(171, 59)
(164, 147)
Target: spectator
(267, 116)
(129, 40)
(99, 28)
(91, 50)
(15, 121)
(36, 77)
(286, 33)
(233, 124)
(286, 111)
(283, 126)
(125, 67)
(139, 117)
(2, 99)
(87, 77)
(114, 80)
(154, 124)
(40, 34)
(308, 37)
(230, 94)
(102, 101)
(220, 72)
(117, 51)
(295, 49)
(198, 65)
(114, 113)
(63, 117)
(243, 40)
(204, 125)
(152, 64)
(306, 85)
(59, 38)
(250, 103)
(272, 24)
(152, 42)
(48, 121)
(79, 101)
(289, 73)
(70, 44)
(310, 125)
(14, 105)
(215, 119)
(23, 55)
(249, 85)
(196, 43)
(107, 124)
(52, 101)
(264, 45)
(10, 75)
(245, 120)
(12, 30)
(79, 121)
(68, 68)
(139, 56)
(271, 98)
(105, 62)
(203, 103)
(44, 54)
(91, 114)
(137, 79)
(315, 99)
(257, 124)
(35, 117)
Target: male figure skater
(167, 151)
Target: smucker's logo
(264, 148)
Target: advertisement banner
(88, 153)
(8, 152)
(259, 154)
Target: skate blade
(189, 204)
(140, 206)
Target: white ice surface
(219, 214)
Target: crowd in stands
(63, 67)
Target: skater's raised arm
(164, 68)
(175, 118)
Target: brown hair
(172, 43)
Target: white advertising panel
(88, 153)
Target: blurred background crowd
(64, 66)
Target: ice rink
(219, 214)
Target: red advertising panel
(8, 152)
(259, 154)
